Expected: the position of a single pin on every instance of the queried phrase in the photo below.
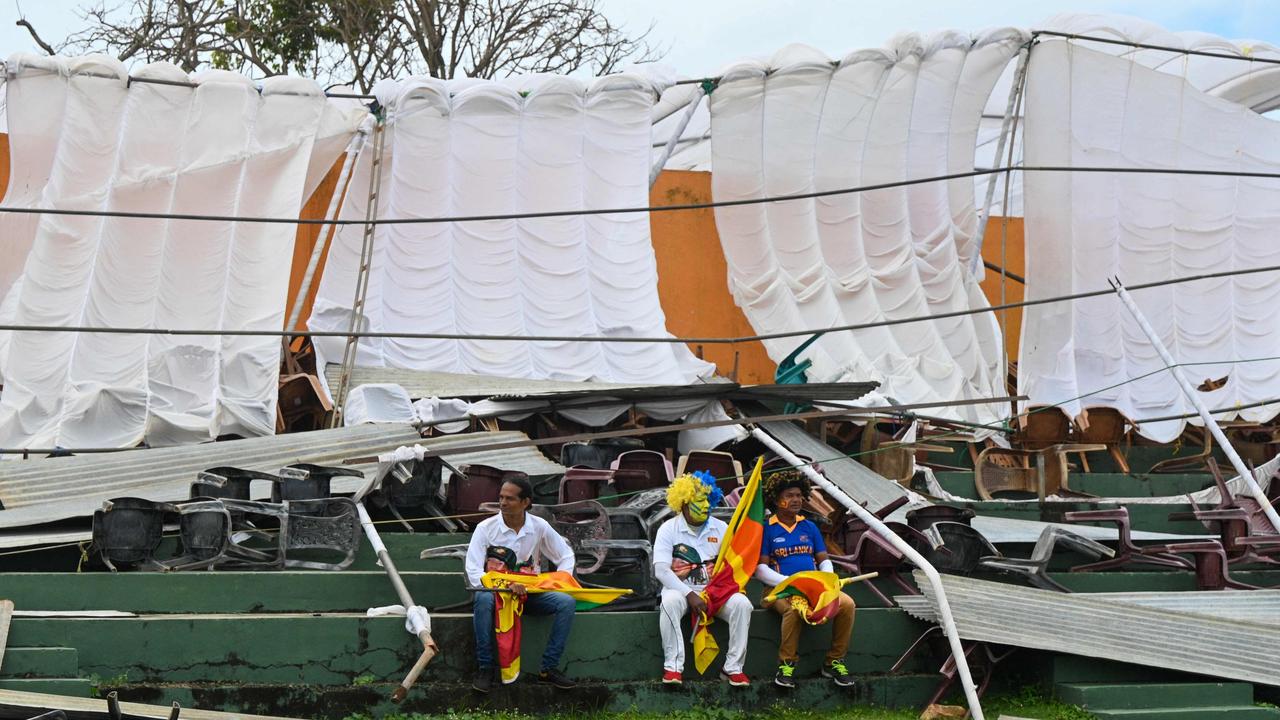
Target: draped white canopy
(489, 148)
(1089, 108)
(802, 123)
(84, 138)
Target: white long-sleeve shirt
(536, 540)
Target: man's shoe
(736, 679)
(838, 673)
(672, 677)
(784, 677)
(556, 678)
(483, 681)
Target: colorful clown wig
(700, 485)
(781, 480)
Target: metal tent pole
(690, 109)
(1209, 423)
(944, 608)
(362, 276)
(429, 648)
(1019, 77)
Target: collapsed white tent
(1255, 84)
(85, 138)
(1088, 108)
(491, 148)
(802, 124)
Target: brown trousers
(841, 628)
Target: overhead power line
(639, 209)
(1148, 46)
(662, 339)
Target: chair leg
(1119, 459)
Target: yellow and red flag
(735, 564)
(508, 608)
(815, 594)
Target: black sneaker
(838, 673)
(556, 678)
(483, 681)
(784, 677)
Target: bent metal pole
(879, 528)
(412, 611)
(1209, 423)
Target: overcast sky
(703, 35)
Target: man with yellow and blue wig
(684, 552)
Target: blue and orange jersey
(791, 549)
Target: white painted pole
(944, 608)
(429, 648)
(1209, 423)
(656, 170)
(1018, 75)
(331, 213)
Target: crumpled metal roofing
(1257, 606)
(52, 489)
(1097, 626)
(423, 383)
(865, 485)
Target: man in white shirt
(514, 541)
(684, 552)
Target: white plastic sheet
(1087, 108)
(85, 139)
(800, 124)
(487, 148)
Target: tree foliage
(359, 42)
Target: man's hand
(696, 603)
(518, 590)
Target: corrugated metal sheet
(867, 486)
(51, 489)
(1255, 606)
(1083, 624)
(421, 383)
(856, 479)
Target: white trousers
(736, 612)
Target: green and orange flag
(735, 564)
(508, 609)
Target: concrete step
(1131, 696)
(75, 687)
(1060, 669)
(1225, 712)
(334, 649)
(39, 662)
(225, 592)
(276, 591)
(435, 698)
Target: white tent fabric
(1087, 108)
(484, 148)
(802, 123)
(1234, 78)
(86, 139)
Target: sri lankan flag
(815, 594)
(508, 609)
(736, 562)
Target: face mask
(699, 510)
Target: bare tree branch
(36, 36)
(362, 41)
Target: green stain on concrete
(335, 649)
